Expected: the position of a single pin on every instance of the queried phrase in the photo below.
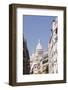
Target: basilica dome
(39, 46)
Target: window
(56, 31)
(45, 61)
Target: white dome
(39, 46)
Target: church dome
(39, 46)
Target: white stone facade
(52, 48)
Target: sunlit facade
(52, 48)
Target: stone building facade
(26, 58)
(52, 48)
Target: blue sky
(35, 28)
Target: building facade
(52, 48)
(26, 58)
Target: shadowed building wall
(26, 59)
